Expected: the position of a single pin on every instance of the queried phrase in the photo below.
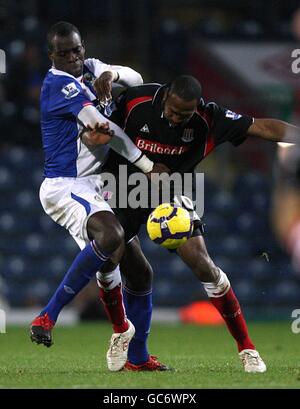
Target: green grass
(204, 357)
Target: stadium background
(241, 53)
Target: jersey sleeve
(66, 96)
(96, 66)
(127, 76)
(120, 113)
(223, 126)
(228, 126)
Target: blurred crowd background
(241, 53)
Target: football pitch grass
(204, 357)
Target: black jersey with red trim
(181, 148)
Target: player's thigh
(135, 268)
(71, 202)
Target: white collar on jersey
(59, 72)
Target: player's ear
(201, 103)
(166, 93)
(50, 54)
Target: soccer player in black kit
(174, 126)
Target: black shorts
(132, 220)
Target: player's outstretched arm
(101, 134)
(274, 130)
(89, 116)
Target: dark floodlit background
(241, 53)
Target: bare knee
(110, 237)
(107, 232)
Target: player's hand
(103, 85)
(158, 168)
(101, 134)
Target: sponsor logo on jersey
(145, 128)
(70, 90)
(188, 135)
(160, 148)
(232, 115)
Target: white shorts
(71, 201)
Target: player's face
(68, 54)
(178, 111)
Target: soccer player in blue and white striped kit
(71, 191)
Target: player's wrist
(144, 164)
(116, 76)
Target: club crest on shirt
(107, 108)
(89, 78)
(188, 135)
(232, 115)
(70, 90)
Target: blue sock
(139, 310)
(83, 268)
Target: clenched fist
(101, 134)
(103, 85)
(158, 168)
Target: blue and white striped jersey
(62, 98)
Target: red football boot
(151, 365)
(40, 330)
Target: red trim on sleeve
(210, 142)
(210, 145)
(206, 117)
(87, 103)
(133, 103)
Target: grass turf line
(204, 357)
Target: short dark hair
(61, 29)
(186, 87)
